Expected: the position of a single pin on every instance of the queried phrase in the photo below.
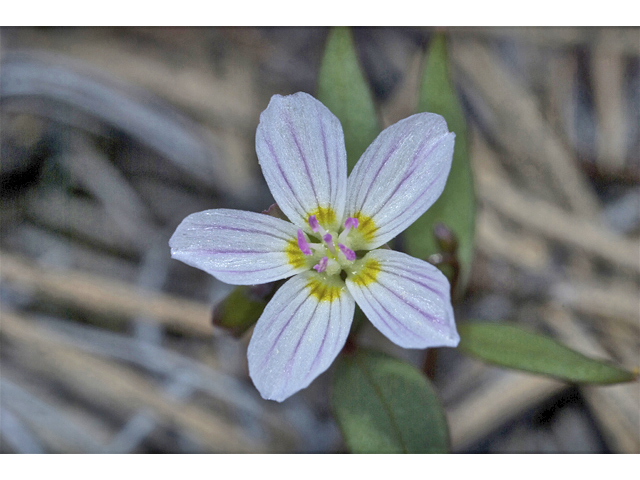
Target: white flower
(330, 248)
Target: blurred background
(111, 136)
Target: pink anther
(303, 244)
(348, 253)
(313, 223)
(351, 222)
(322, 265)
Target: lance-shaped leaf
(514, 347)
(383, 405)
(343, 89)
(456, 206)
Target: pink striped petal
(400, 175)
(237, 247)
(407, 299)
(300, 146)
(300, 333)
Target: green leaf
(241, 309)
(456, 206)
(383, 405)
(513, 347)
(343, 90)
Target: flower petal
(300, 146)
(241, 248)
(407, 299)
(400, 175)
(300, 333)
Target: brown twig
(111, 385)
(547, 219)
(521, 130)
(106, 297)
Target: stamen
(348, 253)
(303, 244)
(328, 240)
(350, 223)
(313, 223)
(322, 265)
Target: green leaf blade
(513, 347)
(384, 405)
(343, 89)
(456, 206)
(242, 308)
